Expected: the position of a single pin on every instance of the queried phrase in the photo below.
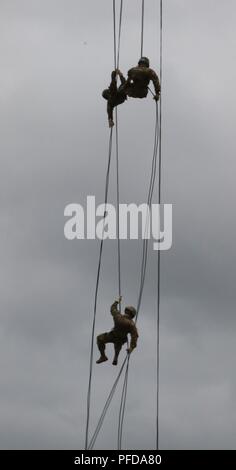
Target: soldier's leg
(117, 348)
(110, 113)
(102, 340)
(107, 96)
(129, 90)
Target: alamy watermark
(135, 222)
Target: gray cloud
(56, 57)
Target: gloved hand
(119, 300)
(111, 123)
(118, 72)
(129, 350)
(156, 97)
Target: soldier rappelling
(139, 77)
(124, 325)
(136, 86)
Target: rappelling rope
(142, 28)
(127, 358)
(159, 252)
(96, 293)
(114, 32)
(143, 274)
(157, 139)
(106, 406)
(119, 34)
(122, 406)
(117, 206)
(117, 48)
(116, 64)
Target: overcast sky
(56, 57)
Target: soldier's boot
(101, 347)
(102, 359)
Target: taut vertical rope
(96, 297)
(142, 28)
(159, 253)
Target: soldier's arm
(114, 309)
(134, 338)
(156, 83)
(130, 76)
(122, 78)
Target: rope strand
(142, 28)
(106, 406)
(122, 407)
(114, 31)
(117, 150)
(116, 62)
(119, 35)
(96, 297)
(117, 207)
(143, 272)
(159, 252)
(143, 275)
(157, 140)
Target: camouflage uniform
(138, 81)
(118, 335)
(114, 95)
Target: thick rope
(149, 201)
(117, 206)
(142, 280)
(96, 296)
(122, 407)
(157, 140)
(116, 64)
(142, 27)
(119, 34)
(143, 275)
(106, 406)
(159, 252)
(114, 32)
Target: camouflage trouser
(105, 338)
(135, 92)
(113, 100)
